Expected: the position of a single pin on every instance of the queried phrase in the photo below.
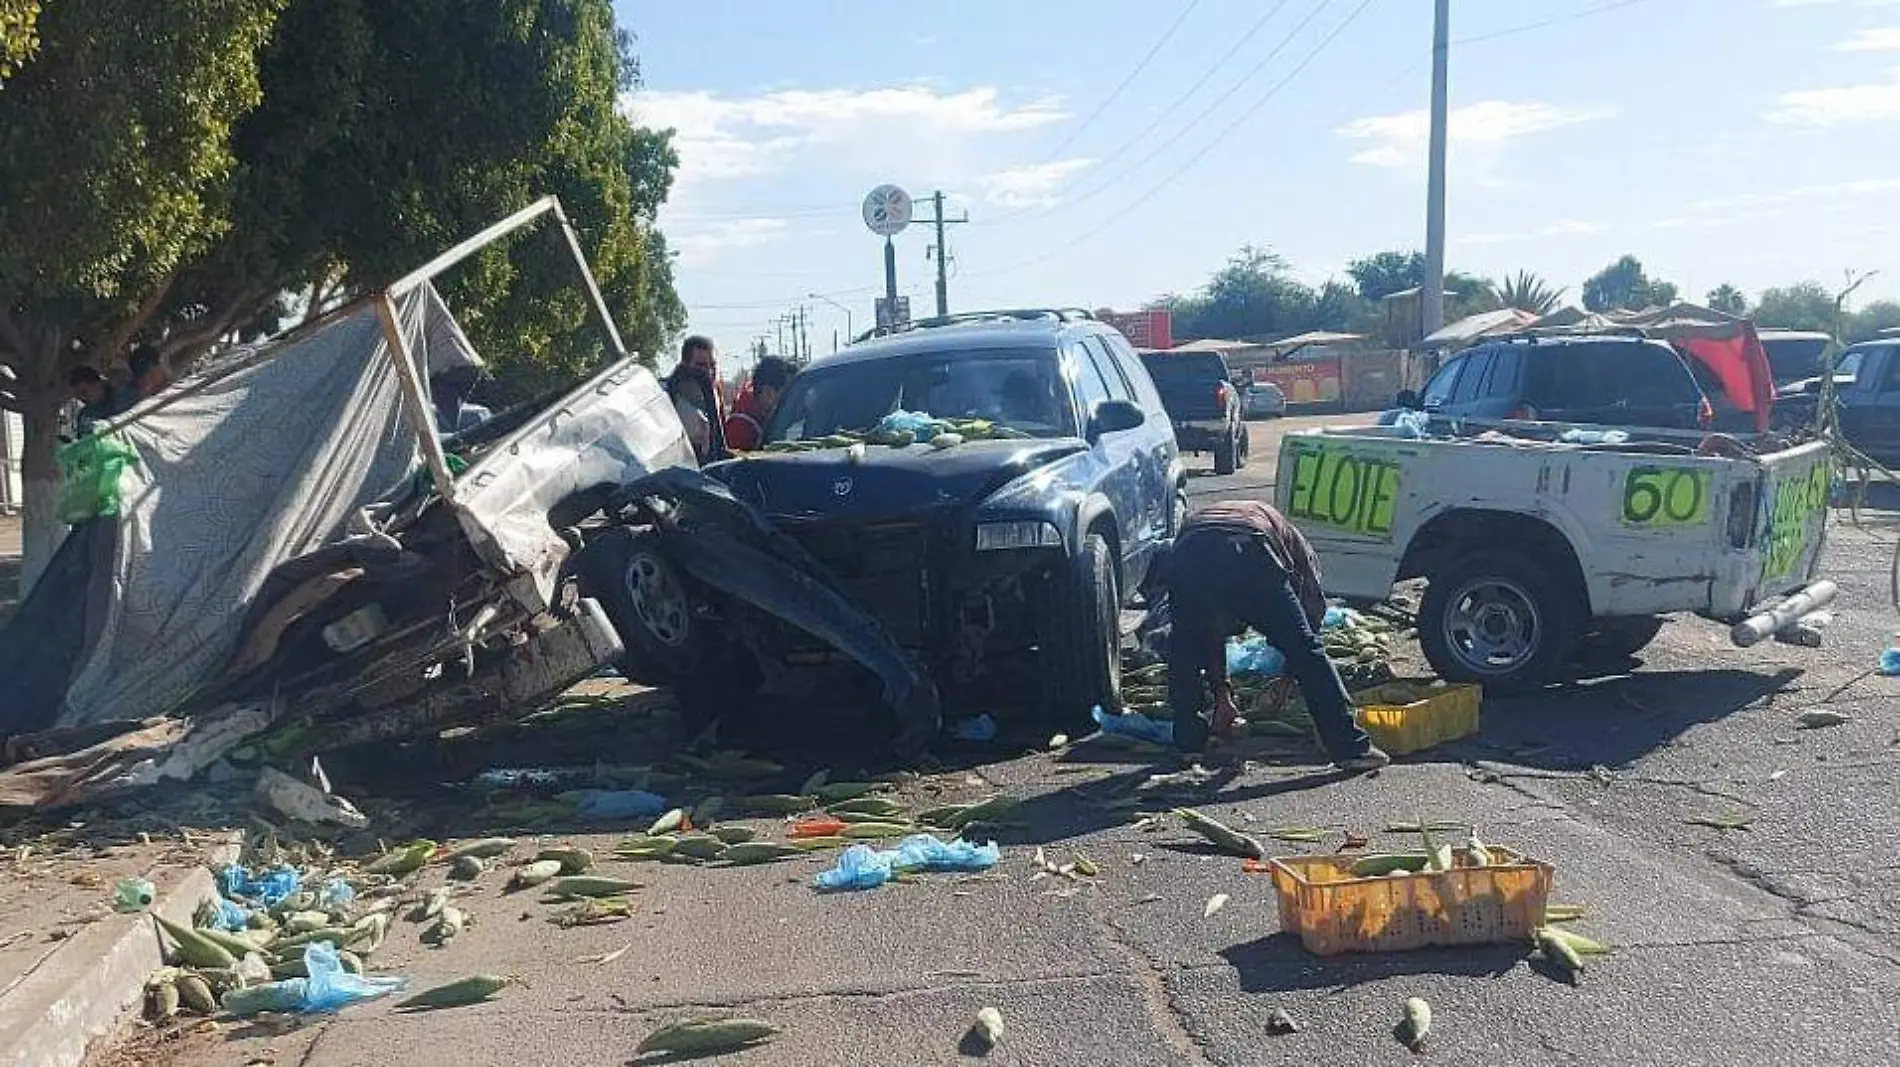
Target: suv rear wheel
(1502, 619)
(1079, 633)
(648, 601)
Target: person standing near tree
(1235, 564)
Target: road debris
(471, 990)
(1279, 1023)
(1220, 834)
(708, 1036)
(1417, 1024)
(586, 885)
(1820, 718)
(532, 874)
(988, 1028)
(1214, 904)
(304, 802)
(594, 911)
(607, 957)
(1721, 822)
(133, 894)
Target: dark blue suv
(1615, 380)
(1023, 545)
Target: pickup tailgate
(1791, 519)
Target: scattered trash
(328, 987)
(133, 894)
(863, 867)
(1819, 718)
(305, 803)
(1777, 776)
(606, 958)
(1136, 725)
(975, 728)
(988, 1028)
(608, 805)
(1252, 654)
(471, 990)
(1214, 904)
(1417, 1025)
(1580, 436)
(268, 889)
(1890, 658)
(1279, 1023)
(1058, 741)
(667, 823)
(708, 1036)
(336, 893)
(1221, 835)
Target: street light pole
(1433, 292)
(848, 332)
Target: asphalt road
(1775, 943)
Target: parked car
(1017, 546)
(1794, 355)
(1264, 400)
(1613, 380)
(1866, 399)
(1197, 388)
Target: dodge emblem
(841, 487)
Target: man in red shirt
(745, 427)
(1238, 563)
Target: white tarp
(256, 460)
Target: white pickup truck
(1530, 547)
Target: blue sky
(1755, 142)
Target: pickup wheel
(1227, 455)
(1621, 637)
(1502, 619)
(1079, 634)
(1246, 443)
(647, 600)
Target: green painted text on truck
(1347, 491)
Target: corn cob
(838, 792)
(1378, 866)
(1220, 834)
(734, 835)
(699, 1037)
(533, 874)
(699, 847)
(1418, 1023)
(470, 990)
(467, 868)
(485, 848)
(195, 993)
(191, 947)
(759, 852)
(404, 860)
(865, 831)
(572, 860)
(591, 886)
(777, 803)
(1559, 952)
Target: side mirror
(1114, 416)
(1407, 399)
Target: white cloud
(1400, 139)
(1560, 228)
(1882, 39)
(910, 126)
(1841, 106)
(701, 245)
(1030, 186)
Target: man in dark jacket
(1240, 563)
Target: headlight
(991, 536)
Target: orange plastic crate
(1334, 912)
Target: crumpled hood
(886, 481)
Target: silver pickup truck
(1530, 546)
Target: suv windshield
(1018, 388)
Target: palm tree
(1528, 292)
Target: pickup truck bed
(1528, 546)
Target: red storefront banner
(1144, 329)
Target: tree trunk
(42, 531)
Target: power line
(1132, 74)
(1205, 149)
(1541, 23)
(1180, 99)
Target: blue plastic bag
(605, 805)
(329, 986)
(1408, 423)
(864, 867)
(268, 889)
(1253, 655)
(921, 426)
(1890, 662)
(1134, 724)
(232, 917)
(336, 893)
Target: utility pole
(942, 252)
(1433, 293)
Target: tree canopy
(1801, 306)
(1727, 298)
(1625, 285)
(18, 34)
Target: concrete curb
(83, 989)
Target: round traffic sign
(887, 210)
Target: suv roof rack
(1060, 315)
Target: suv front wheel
(1079, 634)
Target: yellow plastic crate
(1435, 715)
(1334, 912)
